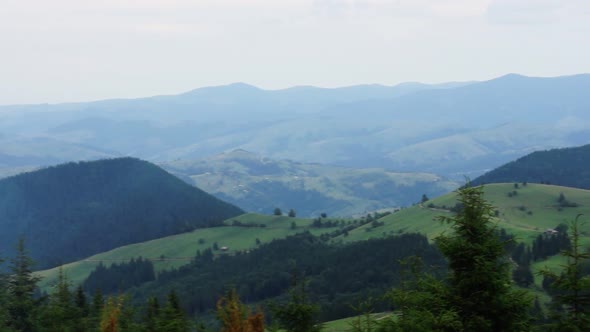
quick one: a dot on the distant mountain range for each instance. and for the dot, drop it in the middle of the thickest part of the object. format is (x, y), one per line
(260, 184)
(564, 167)
(453, 129)
(74, 210)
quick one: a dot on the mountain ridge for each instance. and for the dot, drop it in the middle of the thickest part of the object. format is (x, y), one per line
(363, 126)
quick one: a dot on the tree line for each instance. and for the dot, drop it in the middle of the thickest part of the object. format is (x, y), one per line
(461, 283)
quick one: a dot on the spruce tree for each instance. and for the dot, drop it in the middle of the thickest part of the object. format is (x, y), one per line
(172, 317)
(152, 315)
(21, 286)
(3, 312)
(299, 314)
(479, 279)
(60, 313)
(571, 288)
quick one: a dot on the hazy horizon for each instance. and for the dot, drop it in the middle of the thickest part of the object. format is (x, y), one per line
(71, 51)
(285, 88)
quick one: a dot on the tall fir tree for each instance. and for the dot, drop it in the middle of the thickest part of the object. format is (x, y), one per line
(21, 287)
(171, 317)
(59, 314)
(3, 312)
(479, 280)
(152, 314)
(477, 294)
(299, 314)
(571, 288)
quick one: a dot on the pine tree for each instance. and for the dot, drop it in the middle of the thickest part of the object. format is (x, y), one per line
(152, 313)
(81, 302)
(299, 314)
(572, 297)
(479, 279)
(21, 286)
(422, 302)
(82, 310)
(171, 317)
(96, 308)
(3, 312)
(59, 314)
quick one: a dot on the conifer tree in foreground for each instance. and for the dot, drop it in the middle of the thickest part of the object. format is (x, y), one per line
(3, 313)
(298, 314)
(477, 294)
(480, 280)
(21, 286)
(572, 288)
(171, 317)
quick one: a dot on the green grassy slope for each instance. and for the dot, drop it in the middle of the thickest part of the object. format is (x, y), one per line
(533, 210)
(345, 324)
(540, 200)
(178, 249)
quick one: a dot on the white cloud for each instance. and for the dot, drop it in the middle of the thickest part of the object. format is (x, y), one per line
(537, 11)
(80, 49)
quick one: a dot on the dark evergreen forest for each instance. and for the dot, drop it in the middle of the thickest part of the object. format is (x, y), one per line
(336, 276)
(74, 210)
(564, 167)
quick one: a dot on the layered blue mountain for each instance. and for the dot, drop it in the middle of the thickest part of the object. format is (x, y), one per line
(452, 129)
(71, 211)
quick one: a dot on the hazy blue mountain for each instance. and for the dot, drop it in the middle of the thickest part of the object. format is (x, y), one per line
(564, 167)
(259, 184)
(451, 129)
(74, 210)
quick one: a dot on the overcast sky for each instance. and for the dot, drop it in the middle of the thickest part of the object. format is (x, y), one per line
(79, 50)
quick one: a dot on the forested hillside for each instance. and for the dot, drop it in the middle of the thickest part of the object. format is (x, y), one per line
(564, 167)
(75, 210)
(337, 276)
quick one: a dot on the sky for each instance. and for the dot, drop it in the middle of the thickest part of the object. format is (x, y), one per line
(80, 50)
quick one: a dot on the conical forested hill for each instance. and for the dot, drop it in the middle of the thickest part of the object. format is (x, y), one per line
(74, 210)
(564, 167)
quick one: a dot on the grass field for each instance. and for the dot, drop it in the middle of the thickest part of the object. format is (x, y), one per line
(345, 324)
(176, 250)
(528, 213)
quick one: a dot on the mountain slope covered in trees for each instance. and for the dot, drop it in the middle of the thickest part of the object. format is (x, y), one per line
(564, 167)
(74, 210)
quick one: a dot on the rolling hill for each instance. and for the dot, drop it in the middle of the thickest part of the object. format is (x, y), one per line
(260, 184)
(532, 210)
(564, 167)
(74, 210)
